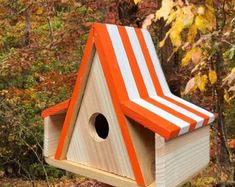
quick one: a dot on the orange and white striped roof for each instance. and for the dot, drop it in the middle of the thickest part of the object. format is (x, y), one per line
(141, 85)
(136, 80)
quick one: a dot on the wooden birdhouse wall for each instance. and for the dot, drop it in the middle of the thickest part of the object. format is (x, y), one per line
(86, 147)
(52, 129)
(180, 159)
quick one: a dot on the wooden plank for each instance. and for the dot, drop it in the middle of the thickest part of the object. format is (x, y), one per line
(59, 108)
(52, 129)
(93, 173)
(76, 99)
(143, 141)
(86, 147)
(179, 159)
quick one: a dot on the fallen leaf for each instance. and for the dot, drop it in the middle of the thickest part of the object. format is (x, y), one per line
(190, 86)
(231, 89)
(192, 33)
(148, 21)
(212, 76)
(39, 11)
(231, 143)
(188, 16)
(226, 96)
(230, 79)
(196, 55)
(171, 17)
(165, 10)
(201, 82)
(175, 33)
(201, 23)
(137, 1)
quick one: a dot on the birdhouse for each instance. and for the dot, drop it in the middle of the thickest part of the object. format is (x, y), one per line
(122, 125)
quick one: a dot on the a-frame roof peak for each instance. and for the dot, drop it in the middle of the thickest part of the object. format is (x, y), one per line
(136, 83)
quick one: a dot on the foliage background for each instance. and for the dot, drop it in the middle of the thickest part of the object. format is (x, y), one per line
(41, 45)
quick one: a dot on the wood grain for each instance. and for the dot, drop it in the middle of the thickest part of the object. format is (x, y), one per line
(181, 158)
(93, 173)
(76, 98)
(143, 141)
(52, 129)
(85, 146)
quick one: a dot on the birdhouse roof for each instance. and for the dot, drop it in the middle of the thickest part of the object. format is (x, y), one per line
(136, 83)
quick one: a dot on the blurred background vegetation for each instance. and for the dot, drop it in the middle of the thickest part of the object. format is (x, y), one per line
(41, 45)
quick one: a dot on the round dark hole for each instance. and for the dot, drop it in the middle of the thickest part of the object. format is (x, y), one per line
(101, 126)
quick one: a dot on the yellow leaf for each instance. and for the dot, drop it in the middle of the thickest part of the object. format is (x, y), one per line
(212, 76)
(226, 96)
(165, 10)
(196, 55)
(201, 23)
(209, 2)
(175, 38)
(210, 17)
(39, 11)
(190, 86)
(188, 16)
(171, 17)
(175, 32)
(137, 1)
(192, 33)
(185, 61)
(201, 82)
(161, 43)
(233, 70)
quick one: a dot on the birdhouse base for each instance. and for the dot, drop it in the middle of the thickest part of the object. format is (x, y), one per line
(102, 176)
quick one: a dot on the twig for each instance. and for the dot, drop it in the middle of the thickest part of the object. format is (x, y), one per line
(35, 153)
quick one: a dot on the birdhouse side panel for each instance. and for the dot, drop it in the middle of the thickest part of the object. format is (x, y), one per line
(143, 142)
(52, 129)
(181, 158)
(96, 140)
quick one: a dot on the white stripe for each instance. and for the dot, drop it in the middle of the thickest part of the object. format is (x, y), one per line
(123, 62)
(148, 80)
(131, 85)
(171, 118)
(141, 61)
(155, 60)
(177, 108)
(195, 107)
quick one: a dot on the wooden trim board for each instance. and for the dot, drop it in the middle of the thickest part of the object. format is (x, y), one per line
(76, 98)
(56, 109)
(93, 173)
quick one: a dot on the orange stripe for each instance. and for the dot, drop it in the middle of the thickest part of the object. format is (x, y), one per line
(157, 82)
(140, 82)
(69, 119)
(55, 109)
(204, 116)
(118, 91)
(133, 63)
(149, 119)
